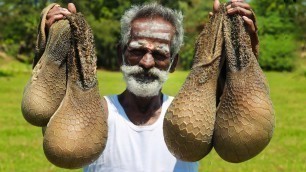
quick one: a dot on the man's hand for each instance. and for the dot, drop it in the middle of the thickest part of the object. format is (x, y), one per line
(244, 9)
(57, 13)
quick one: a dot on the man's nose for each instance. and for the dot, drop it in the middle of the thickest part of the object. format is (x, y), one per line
(147, 61)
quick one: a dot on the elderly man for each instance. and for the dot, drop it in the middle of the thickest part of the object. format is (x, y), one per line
(151, 36)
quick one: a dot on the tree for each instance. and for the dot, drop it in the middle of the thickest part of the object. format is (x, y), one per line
(277, 23)
(277, 33)
(19, 20)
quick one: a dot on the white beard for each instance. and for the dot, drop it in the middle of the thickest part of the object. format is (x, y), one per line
(141, 83)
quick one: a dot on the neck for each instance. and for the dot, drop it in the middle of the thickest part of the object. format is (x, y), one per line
(141, 110)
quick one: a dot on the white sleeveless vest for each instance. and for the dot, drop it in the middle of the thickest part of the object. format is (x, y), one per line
(132, 148)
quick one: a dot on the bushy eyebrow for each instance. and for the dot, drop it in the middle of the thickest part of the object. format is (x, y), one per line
(164, 49)
(160, 48)
(136, 44)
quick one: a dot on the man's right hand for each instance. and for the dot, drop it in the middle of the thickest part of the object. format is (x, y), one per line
(57, 13)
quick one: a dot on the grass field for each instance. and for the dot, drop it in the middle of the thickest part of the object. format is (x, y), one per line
(21, 143)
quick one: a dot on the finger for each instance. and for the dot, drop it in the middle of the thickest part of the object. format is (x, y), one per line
(65, 11)
(211, 14)
(56, 11)
(55, 7)
(238, 4)
(71, 8)
(216, 6)
(250, 24)
(53, 19)
(240, 11)
(237, 1)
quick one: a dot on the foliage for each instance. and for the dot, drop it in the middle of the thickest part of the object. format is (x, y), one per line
(193, 24)
(278, 33)
(276, 52)
(19, 20)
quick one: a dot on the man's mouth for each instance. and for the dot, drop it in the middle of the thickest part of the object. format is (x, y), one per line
(145, 77)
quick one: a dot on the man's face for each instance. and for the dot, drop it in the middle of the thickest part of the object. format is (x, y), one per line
(147, 56)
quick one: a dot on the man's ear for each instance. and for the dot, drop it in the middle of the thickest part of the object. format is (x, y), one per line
(119, 54)
(174, 63)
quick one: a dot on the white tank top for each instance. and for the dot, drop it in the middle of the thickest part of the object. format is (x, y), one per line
(132, 148)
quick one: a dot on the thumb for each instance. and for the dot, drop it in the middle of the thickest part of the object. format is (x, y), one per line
(216, 6)
(71, 8)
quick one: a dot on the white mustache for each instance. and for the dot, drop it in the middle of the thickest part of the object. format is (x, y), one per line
(138, 84)
(133, 70)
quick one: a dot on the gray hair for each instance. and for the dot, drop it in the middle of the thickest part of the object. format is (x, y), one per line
(149, 11)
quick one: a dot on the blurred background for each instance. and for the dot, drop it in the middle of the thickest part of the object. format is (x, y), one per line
(282, 35)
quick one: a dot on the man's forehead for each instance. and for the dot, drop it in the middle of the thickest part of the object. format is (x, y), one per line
(152, 28)
(152, 24)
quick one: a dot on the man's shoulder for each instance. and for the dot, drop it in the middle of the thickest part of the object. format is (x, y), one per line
(111, 98)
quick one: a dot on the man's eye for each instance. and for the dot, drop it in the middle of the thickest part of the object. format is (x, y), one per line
(159, 56)
(137, 52)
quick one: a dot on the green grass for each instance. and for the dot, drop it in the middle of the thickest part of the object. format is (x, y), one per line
(21, 143)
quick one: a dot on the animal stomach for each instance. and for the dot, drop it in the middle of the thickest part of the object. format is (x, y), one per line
(189, 121)
(47, 86)
(76, 134)
(245, 116)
